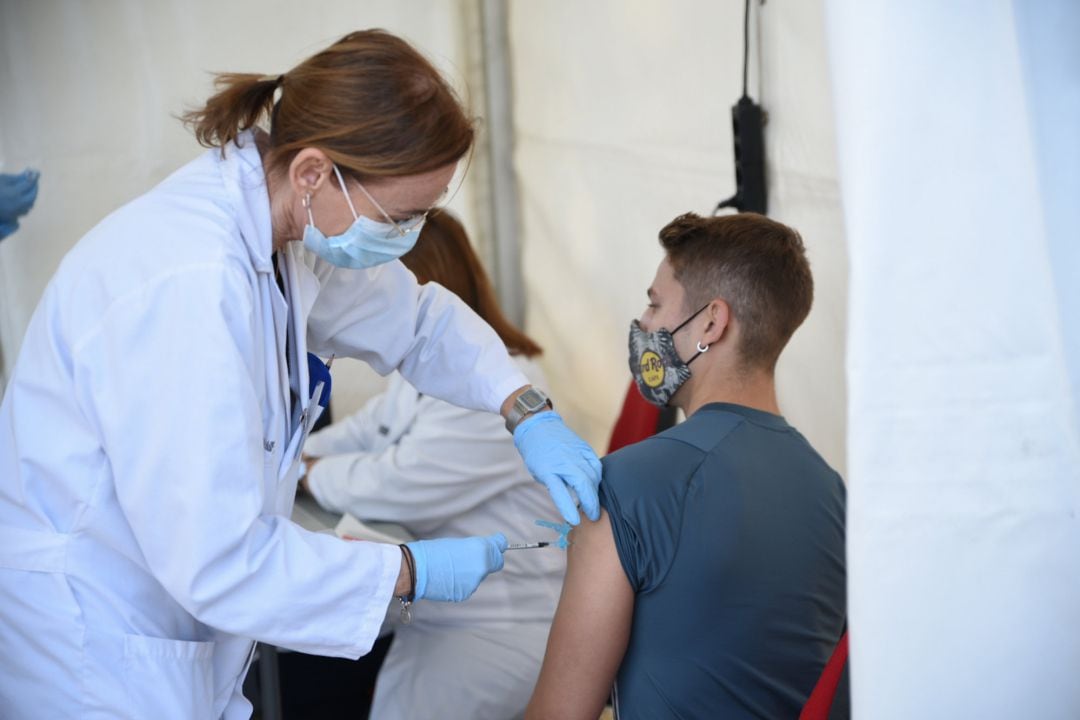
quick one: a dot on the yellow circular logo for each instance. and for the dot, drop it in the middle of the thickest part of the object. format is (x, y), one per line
(652, 370)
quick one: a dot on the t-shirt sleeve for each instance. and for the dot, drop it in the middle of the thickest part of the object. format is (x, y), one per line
(643, 490)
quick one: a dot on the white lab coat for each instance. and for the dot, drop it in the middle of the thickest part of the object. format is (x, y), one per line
(148, 459)
(443, 471)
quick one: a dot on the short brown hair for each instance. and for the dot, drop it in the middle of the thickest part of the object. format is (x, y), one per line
(444, 255)
(757, 265)
(370, 101)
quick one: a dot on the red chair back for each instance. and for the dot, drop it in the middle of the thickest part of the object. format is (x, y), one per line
(638, 420)
(820, 702)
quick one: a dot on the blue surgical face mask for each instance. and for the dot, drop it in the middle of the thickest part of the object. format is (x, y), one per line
(366, 243)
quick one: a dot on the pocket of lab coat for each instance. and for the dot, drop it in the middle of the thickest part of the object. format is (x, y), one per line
(314, 413)
(168, 678)
(291, 457)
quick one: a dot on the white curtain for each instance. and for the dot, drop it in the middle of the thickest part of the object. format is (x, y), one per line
(957, 128)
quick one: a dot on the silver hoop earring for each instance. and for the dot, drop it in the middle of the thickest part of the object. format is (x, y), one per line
(306, 202)
(701, 349)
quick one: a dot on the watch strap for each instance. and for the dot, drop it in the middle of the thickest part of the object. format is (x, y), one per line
(527, 403)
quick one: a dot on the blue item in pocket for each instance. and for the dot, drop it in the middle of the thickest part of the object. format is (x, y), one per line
(319, 372)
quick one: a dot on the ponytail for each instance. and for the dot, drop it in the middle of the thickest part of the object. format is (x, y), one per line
(370, 101)
(240, 102)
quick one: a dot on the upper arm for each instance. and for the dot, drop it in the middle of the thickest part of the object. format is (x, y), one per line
(591, 628)
(443, 348)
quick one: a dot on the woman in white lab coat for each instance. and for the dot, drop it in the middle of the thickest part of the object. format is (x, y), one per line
(151, 433)
(442, 470)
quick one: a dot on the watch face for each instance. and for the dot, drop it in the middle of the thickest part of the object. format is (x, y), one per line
(527, 403)
(533, 400)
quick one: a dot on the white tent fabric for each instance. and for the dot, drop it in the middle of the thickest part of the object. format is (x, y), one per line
(623, 122)
(90, 94)
(960, 163)
(960, 160)
(960, 166)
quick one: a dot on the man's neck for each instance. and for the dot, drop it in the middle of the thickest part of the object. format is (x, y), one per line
(755, 390)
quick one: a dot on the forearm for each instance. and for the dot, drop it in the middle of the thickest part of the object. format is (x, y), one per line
(405, 582)
(450, 352)
(347, 585)
(453, 344)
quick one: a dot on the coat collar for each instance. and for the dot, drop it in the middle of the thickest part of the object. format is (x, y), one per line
(245, 186)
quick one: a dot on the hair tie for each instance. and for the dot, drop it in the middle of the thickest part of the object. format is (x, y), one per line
(270, 78)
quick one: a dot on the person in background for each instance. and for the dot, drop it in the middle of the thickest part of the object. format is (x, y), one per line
(441, 470)
(713, 585)
(152, 430)
(17, 195)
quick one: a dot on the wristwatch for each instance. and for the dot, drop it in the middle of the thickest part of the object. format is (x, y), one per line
(529, 402)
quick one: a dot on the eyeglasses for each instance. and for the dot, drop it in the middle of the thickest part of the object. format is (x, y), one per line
(401, 228)
(405, 226)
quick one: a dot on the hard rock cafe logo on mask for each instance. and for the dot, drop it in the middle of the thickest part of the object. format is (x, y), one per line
(655, 363)
(652, 369)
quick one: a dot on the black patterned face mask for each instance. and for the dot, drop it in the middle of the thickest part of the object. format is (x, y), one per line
(655, 364)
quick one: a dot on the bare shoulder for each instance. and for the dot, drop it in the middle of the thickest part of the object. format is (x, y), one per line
(592, 546)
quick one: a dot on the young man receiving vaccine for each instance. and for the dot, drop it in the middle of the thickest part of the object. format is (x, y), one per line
(713, 584)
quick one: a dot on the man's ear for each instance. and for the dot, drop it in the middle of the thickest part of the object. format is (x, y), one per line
(718, 314)
(309, 171)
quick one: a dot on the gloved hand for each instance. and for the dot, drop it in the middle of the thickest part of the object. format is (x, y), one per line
(450, 569)
(17, 195)
(558, 458)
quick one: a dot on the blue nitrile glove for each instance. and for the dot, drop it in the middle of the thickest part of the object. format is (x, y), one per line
(450, 569)
(558, 458)
(17, 194)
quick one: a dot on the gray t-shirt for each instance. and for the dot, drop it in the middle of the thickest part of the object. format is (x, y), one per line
(730, 528)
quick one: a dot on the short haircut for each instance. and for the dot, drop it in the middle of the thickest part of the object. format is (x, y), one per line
(757, 265)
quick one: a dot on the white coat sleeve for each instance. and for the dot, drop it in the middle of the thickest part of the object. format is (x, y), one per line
(168, 379)
(355, 433)
(450, 461)
(382, 316)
